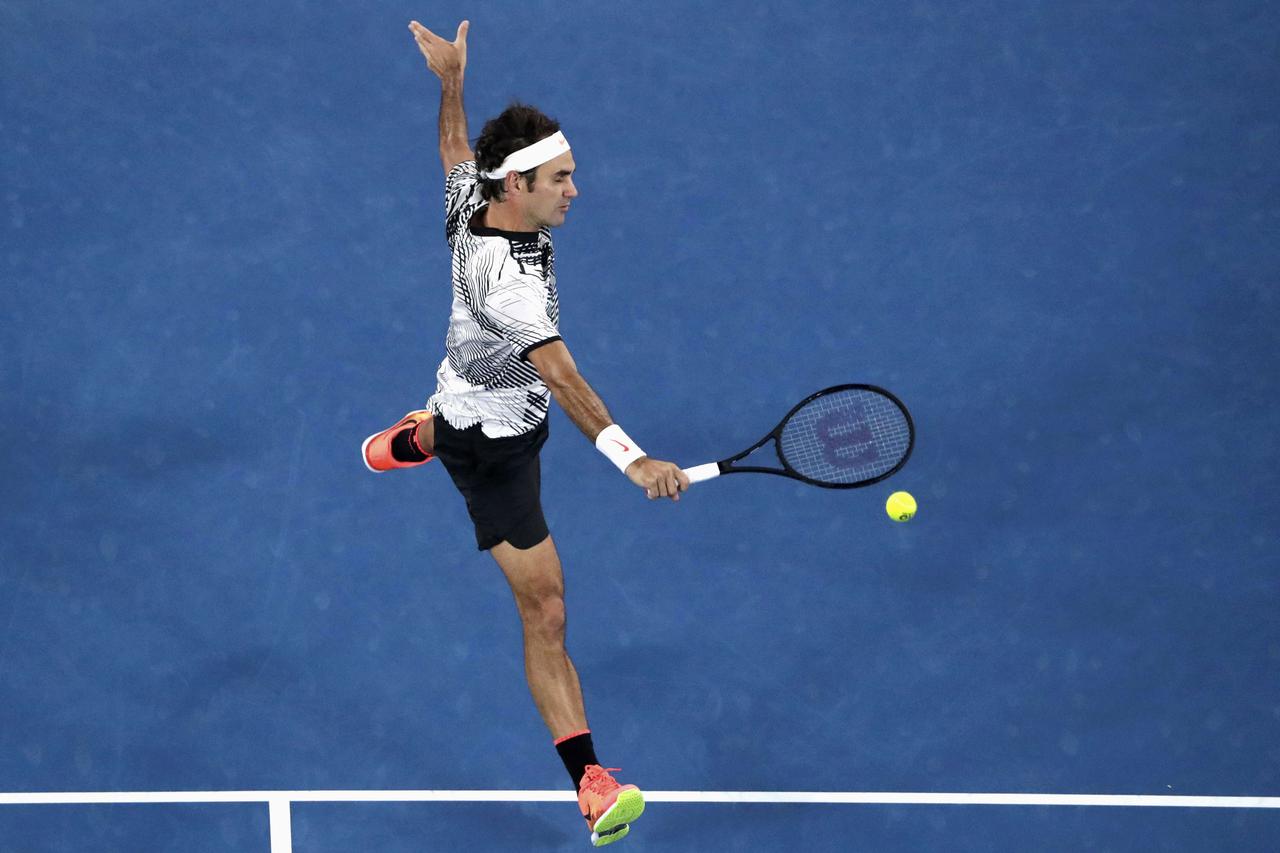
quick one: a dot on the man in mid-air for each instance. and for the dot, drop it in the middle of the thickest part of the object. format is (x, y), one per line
(487, 420)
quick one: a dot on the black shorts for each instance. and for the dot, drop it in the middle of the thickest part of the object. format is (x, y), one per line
(500, 479)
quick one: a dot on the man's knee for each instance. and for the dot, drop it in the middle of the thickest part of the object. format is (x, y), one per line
(543, 614)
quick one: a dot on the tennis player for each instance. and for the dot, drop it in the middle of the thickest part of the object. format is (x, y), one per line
(505, 359)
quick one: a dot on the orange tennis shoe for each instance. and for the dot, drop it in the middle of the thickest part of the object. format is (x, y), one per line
(608, 807)
(376, 450)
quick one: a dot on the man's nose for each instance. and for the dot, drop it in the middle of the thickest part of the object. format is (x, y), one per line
(570, 190)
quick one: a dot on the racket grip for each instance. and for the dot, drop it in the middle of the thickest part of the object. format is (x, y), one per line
(698, 473)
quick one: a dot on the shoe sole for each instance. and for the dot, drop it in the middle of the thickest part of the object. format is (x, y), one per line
(628, 807)
(598, 840)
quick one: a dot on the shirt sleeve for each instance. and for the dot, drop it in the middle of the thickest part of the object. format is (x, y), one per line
(517, 305)
(460, 198)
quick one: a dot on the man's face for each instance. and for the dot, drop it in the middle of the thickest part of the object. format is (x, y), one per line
(548, 202)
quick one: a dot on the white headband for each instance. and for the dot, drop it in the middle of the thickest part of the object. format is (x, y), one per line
(530, 157)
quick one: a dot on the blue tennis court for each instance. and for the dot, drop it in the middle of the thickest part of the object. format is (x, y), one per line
(1052, 229)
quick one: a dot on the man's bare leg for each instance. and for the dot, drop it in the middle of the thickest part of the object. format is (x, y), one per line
(537, 582)
(425, 435)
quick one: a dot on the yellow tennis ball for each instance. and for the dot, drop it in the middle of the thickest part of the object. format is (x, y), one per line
(900, 506)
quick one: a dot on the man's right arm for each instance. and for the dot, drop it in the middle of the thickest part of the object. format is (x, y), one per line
(585, 408)
(448, 60)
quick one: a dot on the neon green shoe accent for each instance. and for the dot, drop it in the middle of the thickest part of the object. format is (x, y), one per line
(628, 807)
(598, 840)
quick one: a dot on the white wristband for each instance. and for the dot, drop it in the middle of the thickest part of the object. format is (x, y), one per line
(618, 446)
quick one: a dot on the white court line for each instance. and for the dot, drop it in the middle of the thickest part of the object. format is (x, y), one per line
(282, 831)
(279, 800)
(281, 826)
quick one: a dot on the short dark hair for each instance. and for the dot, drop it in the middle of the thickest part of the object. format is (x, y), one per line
(518, 126)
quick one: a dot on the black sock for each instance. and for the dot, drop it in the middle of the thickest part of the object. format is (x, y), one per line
(404, 448)
(577, 751)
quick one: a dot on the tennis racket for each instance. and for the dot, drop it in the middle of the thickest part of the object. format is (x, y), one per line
(838, 438)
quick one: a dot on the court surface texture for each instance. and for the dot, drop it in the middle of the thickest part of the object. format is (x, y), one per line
(1053, 229)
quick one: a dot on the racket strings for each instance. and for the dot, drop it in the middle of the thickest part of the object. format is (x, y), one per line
(849, 436)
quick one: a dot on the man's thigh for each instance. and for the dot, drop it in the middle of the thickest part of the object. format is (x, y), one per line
(534, 573)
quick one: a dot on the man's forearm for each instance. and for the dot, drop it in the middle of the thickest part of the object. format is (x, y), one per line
(453, 123)
(582, 404)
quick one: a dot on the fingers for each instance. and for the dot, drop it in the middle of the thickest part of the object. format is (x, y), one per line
(659, 488)
(660, 479)
(423, 37)
(677, 481)
(668, 483)
(672, 485)
(420, 32)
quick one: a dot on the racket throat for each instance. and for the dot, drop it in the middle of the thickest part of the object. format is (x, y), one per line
(758, 466)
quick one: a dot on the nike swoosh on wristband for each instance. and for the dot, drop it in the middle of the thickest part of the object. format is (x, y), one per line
(620, 444)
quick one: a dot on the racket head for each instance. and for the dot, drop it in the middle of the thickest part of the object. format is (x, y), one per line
(845, 437)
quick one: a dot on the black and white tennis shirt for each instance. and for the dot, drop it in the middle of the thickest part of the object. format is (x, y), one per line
(504, 306)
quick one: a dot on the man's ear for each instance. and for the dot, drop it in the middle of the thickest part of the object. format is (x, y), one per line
(511, 183)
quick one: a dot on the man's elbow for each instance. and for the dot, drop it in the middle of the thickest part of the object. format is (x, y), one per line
(560, 377)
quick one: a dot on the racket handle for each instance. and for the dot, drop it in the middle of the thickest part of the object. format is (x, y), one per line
(698, 473)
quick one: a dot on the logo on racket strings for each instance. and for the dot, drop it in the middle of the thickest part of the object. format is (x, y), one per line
(846, 440)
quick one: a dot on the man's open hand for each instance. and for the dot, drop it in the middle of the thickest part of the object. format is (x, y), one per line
(658, 479)
(446, 59)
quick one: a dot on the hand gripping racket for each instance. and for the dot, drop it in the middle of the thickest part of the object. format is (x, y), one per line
(839, 438)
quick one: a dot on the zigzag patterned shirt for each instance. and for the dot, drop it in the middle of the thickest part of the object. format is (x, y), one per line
(504, 305)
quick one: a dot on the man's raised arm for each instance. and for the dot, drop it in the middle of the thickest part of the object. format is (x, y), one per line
(448, 60)
(585, 408)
